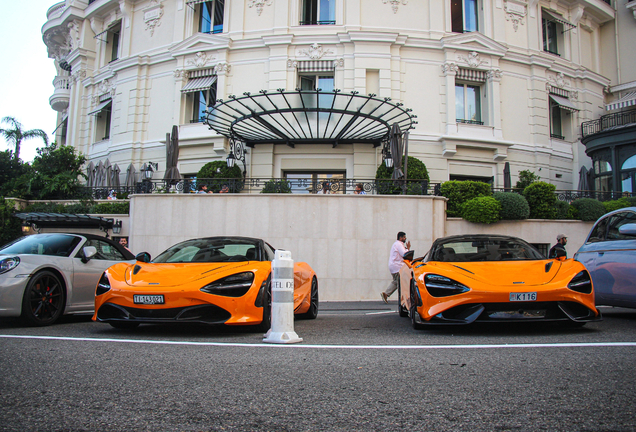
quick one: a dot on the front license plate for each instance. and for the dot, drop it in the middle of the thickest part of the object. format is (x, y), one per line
(148, 299)
(523, 297)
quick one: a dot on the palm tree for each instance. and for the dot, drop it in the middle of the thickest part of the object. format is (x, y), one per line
(15, 134)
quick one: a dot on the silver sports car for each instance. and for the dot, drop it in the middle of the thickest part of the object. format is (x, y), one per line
(44, 276)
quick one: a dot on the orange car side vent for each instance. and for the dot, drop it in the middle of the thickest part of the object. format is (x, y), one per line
(463, 269)
(548, 266)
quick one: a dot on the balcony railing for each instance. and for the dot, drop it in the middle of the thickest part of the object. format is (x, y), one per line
(571, 195)
(608, 121)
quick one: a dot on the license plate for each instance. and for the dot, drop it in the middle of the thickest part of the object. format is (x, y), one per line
(523, 297)
(148, 299)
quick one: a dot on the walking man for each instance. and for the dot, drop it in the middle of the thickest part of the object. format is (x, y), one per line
(562, 240)
(399, 248)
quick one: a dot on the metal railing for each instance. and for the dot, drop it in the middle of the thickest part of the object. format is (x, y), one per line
(571, 195)
(269, 185)
(607, 121)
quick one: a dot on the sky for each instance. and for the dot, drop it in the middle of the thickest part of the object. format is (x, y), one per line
(26, 76)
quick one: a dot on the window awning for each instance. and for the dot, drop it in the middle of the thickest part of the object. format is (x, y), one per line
(65, 220)
(564, 103)
(64, 118)
(198, 84)
(626, 101)
(558, 18)
(315, 66)
(193, 2)
(308, 117)
(101, 107)
(110, 28)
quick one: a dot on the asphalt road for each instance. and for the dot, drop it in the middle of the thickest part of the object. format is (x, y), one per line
(359, 368)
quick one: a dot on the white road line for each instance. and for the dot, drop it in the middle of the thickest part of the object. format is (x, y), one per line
(380, 313)
(263, 345)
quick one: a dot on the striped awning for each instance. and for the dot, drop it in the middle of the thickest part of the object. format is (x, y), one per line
(64, 118)
(564, 103)
(471, 75)
(626, 101)
(101, 107)
(199, 84)
(193, 2)
(316, 66)
(558, 18)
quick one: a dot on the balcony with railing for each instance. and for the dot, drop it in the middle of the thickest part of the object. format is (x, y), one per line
(60, 99)
(608, 122)
(56, 10)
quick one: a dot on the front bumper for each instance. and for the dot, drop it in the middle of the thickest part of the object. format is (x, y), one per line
(205, 314)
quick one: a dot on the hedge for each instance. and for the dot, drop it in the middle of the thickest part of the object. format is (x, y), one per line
(541, 199)
(481, 210)
(588, 209)
(458, 192)
(513, 205)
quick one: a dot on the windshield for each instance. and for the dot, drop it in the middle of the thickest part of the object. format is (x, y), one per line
(211, 250)
(492, 249)
(42, 244)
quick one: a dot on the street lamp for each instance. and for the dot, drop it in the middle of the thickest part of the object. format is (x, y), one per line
(237, 152)
(117, 227)
(26, 227)
(149, 171)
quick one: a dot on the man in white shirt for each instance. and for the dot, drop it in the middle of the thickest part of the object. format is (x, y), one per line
(399, 248)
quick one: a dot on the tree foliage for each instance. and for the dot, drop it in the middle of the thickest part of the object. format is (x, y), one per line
(416, 170)
(526, 178)
(542, 200)
(458, 192)
(10, 226)
(15, 135)
(57, 171)
(214, 174)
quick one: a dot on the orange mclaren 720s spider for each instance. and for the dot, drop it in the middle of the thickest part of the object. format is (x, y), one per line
(488, 278)
(216, 280)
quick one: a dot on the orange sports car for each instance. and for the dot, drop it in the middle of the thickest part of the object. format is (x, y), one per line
(486, 278)
(216, 280)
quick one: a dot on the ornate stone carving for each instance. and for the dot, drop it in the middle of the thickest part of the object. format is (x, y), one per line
(152, 16)
(315, 52)
(58, 44)
(516, 13)
(450, 68)
(78, 75)
(180, 73)
(395, 4)
(222, 67)
(74, 28)
(494, 74)
(338, 63)
(472, 59)
(557, 80)
(200, 60)
(259, 5)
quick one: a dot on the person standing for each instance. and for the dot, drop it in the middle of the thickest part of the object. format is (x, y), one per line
(562, 240)
(359, 190)
(399, 248)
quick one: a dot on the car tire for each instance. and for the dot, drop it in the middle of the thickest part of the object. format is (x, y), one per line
(122, 325)
(266, 324)
(43, 300)
(402, 311)
(312, 313)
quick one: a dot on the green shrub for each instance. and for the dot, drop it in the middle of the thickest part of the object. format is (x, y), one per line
(277, 186)
(215, 175)
(526, 178)
(588, 209)
(541, 199)
(513, 205)
(482, 209)
(562, 210)
(111, 208)
(416, 171)
(10, 226)
(616, 204)
(458, 192)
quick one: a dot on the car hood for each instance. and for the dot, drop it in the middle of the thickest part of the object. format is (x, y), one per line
(503, 273)
(149, 274)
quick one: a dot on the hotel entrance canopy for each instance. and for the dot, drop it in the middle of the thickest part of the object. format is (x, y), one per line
(308, 117)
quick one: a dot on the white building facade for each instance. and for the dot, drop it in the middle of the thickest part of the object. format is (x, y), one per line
(491, 81)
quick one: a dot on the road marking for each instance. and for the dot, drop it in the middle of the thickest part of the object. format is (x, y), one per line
(264, 345)
(380, 313)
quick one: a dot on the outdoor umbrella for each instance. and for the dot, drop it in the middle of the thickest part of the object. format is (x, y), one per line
(507, 179)
(172, 156)
(108, 174)
(397, 149)
(130, 176)
(115, 180)
(584, 184)
(90, 174)
(99, 175)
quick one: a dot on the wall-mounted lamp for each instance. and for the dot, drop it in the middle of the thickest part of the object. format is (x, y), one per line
(237, 152)
(386, 154)
(117, 227)
(26, 227)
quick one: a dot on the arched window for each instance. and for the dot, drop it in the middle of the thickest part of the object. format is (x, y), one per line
(628, 175)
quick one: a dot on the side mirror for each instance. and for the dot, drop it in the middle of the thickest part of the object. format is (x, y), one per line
(408, 256)
(627, 229)
(88, 252)
(143, 257)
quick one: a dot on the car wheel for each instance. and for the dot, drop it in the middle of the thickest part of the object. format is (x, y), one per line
(266, 324)
(401, 309)
(44, 299)
(312, 313)
(124, 325)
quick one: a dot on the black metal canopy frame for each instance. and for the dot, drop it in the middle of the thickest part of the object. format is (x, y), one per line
(65, 220)
(308, 117)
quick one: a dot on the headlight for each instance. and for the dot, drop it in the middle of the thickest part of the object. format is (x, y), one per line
(581, 283)
(103, 286)
(441, 286)
(231, 286)
(8, 264)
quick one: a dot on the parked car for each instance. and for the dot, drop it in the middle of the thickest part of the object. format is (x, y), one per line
(488, 278)
(44, 276)
(215, 280)
(609, 254)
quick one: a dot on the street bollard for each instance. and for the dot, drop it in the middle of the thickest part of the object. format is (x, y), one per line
(282, 328)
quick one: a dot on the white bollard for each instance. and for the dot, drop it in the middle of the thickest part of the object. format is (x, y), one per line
(282, 329)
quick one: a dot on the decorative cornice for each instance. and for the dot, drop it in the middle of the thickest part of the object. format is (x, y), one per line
(395, 4)
(200, 60)
(315, 52)
(259, 5)
(152, 16)
(472, 60)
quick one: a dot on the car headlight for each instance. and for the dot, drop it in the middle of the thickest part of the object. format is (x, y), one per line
(581, 283)
(103, 286)
(441, 286)
(236, 285)
(9, 264)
